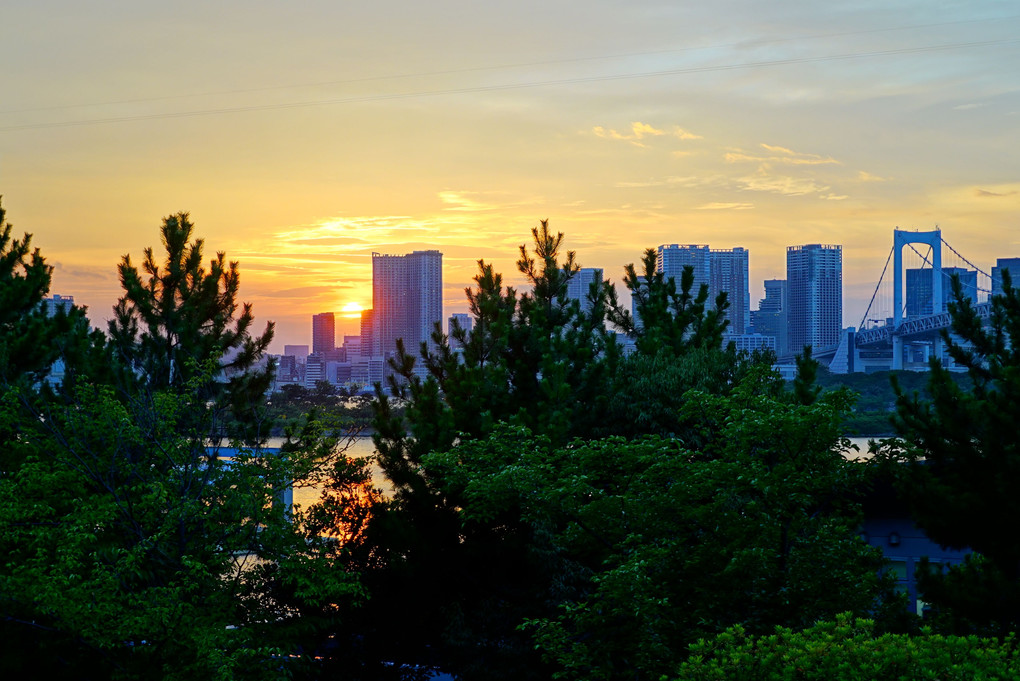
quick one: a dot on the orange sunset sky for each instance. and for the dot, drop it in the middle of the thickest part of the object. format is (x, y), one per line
(303, 136)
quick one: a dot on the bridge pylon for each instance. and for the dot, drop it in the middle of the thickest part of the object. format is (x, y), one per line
(901, 238)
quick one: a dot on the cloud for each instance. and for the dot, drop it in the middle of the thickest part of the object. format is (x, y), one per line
(986, 193)
(725, 206)
(833, 197)
(680, 133)
(640, 131)
(780, 155)
(780, 184)
(864, 176)
(302, 292)
(460, 201)
(968, 107)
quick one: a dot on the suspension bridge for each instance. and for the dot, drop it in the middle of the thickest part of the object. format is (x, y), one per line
(903, 332)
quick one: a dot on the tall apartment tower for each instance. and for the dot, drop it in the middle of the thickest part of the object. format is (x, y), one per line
(814, 279)
(720, 269)
(670, 259)
(580, 284)
(407, 300)
(728, 272)
(323, 332)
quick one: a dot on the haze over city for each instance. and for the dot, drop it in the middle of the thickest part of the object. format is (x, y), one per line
(303, 138)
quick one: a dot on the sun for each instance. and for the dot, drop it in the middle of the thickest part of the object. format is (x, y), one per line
(351, 310)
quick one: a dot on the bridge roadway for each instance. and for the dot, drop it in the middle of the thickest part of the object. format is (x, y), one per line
(914, 327)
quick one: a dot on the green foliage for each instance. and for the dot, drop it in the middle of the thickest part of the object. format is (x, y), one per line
(848, 648)
(136, 545)
(649, 544)
(959, 465)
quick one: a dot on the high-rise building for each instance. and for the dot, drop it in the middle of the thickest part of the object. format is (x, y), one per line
(464, 321)
(1011, 264)
(365, 348)
(814, 279)
(580, 284)
(670, 259)
(770, 317)
(299, 352)
(920, 294)
(728, 273)
(722, 270)
(407, 300)
(323, 332)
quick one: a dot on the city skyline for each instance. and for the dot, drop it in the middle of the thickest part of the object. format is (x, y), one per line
(458, 127)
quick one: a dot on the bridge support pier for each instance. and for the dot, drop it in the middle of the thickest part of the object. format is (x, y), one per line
(897, 353)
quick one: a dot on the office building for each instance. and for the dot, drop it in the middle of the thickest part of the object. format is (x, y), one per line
(770, 317)
(299, 352)
(323, 332)
(464, 321)
(407, 300)
(814, 279)
(721, 270)
(728, 273)
(671, 259)
(580, 284)
(919, 289)
(1011, 264)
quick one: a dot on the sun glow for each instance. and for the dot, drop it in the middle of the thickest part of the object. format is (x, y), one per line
(351, 310)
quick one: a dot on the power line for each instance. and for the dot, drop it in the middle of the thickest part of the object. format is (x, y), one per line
(511, 86)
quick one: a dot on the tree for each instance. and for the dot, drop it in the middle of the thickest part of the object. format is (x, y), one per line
(850, 649)
(650, 543)
(958, 464)
(140, 544)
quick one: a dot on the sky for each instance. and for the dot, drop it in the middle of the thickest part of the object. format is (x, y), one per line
(301, 137)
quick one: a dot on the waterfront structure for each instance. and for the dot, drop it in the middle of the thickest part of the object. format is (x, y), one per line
(814, 279)
(407, 300)
(1011, 264)
(323, 332)
(580, 284)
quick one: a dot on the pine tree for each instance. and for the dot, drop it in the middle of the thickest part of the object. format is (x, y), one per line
(959, 464)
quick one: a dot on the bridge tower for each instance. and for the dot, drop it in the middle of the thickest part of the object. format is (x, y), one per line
(901, 238)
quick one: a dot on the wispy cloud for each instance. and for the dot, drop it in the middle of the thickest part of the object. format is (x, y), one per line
(986, 193)
(763, 181)
(725, 206)
(864, 176)
(463, 201)
(779, 155)
(640, 131)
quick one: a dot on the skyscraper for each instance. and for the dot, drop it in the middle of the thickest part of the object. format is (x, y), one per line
(722, 270)
(323, 332)
(728, 273)
(770, 317)
(1011, 264)
(407, 300)
(580, 284)
(920, 293)
(670, 259)
(814, 276)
